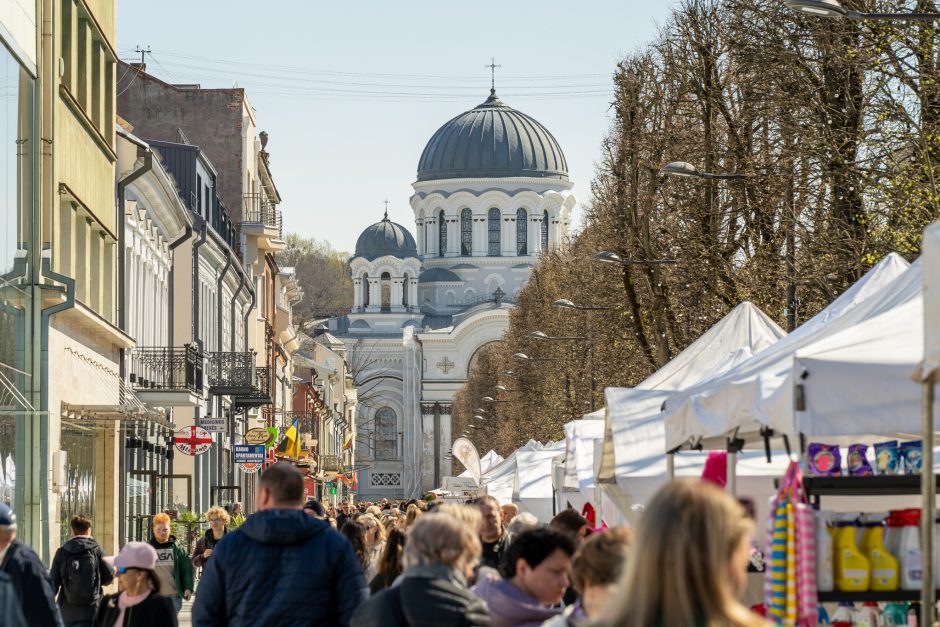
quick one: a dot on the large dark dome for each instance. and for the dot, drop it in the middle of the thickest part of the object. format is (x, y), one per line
(386, 238)
(492, 140)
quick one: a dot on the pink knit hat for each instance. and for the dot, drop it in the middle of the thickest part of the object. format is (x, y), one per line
(136, 555)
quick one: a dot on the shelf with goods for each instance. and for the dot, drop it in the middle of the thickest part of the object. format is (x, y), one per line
(888, 596)
(875, 485)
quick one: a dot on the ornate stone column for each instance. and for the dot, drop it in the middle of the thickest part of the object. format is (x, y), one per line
(413, 293)
(480, 234)
(397, 294)
(375, 295)
(357, 293)
(508, 233)
(419, 224)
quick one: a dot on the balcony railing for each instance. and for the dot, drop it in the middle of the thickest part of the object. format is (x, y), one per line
(260, 393)
(170, 369)
(257, 210)
(231, 373)
(308, 422)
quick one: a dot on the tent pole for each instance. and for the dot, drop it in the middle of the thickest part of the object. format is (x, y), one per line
(671, 466)
(928, 483)
(732, 473)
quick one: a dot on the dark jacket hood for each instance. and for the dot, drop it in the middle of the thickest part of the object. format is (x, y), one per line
(282, 526)
(80, 544)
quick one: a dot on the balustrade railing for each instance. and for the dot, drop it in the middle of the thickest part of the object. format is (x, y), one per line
(231, 372)
(256, 209)
(260, 392)
(157, 368)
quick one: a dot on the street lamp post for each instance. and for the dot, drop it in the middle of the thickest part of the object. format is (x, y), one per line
(564, 303)
(539, 335)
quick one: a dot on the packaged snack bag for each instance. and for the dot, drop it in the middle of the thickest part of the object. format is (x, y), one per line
(887, 457)
(824, 460)
(857, 461)
(911, 454)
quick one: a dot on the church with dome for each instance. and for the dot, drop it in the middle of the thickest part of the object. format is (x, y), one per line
(491, 194)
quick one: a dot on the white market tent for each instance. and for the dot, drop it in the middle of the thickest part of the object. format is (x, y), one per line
(739, 401)
(525, 478)
(486, 462)
(634, 433)
(577, 484)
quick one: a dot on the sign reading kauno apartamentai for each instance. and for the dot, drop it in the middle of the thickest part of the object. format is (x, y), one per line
(258, 436)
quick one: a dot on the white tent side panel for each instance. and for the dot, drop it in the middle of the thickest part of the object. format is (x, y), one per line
(931, 248)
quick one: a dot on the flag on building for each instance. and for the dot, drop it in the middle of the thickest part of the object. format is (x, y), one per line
(290, 444)
(348, 443)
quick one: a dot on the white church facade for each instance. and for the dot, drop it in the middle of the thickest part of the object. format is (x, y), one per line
(492, 193)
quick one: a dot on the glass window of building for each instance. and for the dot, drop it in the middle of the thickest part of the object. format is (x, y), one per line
(522, 233)
(441, 234)
(493, 227)
(466, 232)
(545, 231)
(386, 434)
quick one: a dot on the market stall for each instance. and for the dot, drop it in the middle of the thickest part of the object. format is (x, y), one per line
(634, 428)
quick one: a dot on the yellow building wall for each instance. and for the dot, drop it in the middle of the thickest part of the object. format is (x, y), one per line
(84, 167)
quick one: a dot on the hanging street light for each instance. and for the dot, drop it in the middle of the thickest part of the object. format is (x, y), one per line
(606, 256)
(834, 9)
(687, 170)
(564, 303)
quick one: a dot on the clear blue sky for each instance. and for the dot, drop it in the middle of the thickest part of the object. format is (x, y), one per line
(351, 92)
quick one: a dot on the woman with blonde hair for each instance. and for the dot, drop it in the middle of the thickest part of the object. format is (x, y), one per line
(411, 515)
(688, 564)
(375, 542)
(218, 526)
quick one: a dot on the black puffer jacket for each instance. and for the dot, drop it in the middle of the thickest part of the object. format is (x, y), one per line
(32, 585)
(281, 567)
(76, 546)
(425, 596)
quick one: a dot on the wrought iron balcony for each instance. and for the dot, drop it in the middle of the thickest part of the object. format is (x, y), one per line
(231, 373)
(260, 393)
(308, 422)
(167, 369)
(257, 210)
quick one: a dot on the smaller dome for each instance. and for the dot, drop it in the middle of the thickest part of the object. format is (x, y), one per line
(439, 275)
(386, 238)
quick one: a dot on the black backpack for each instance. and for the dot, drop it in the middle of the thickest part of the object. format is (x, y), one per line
(81, 581)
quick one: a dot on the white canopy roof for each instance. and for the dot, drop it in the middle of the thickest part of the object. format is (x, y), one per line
(741, 398)
(931, 248)
(634, 428)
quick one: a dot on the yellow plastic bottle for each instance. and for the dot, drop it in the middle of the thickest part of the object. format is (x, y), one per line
(884, 566)
(852, 569)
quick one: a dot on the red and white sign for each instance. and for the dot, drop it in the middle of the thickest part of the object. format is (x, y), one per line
(193, 440)
(250, 468)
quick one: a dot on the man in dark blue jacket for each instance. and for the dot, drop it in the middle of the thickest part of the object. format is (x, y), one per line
(280, 567)
(30, 579)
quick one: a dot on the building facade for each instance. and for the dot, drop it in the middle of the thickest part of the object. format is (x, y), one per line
(492, 193)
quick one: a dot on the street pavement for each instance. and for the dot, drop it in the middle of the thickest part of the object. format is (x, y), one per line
(185, 617)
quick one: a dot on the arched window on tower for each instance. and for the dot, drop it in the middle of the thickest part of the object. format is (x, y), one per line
(404, 290)
(386, 434)
(386, 283)
(522, 232)
(365, 290)
(466, 232)
(441, 234)
(545, 231)
(494, 229)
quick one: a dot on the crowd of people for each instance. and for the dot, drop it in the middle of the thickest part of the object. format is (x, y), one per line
(397, 563)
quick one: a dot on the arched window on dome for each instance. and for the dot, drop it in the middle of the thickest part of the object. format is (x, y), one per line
(545, 231)
(404, 290)
(365, 290)
(522, 232)
(386, 283)
(386, 434)
(495, 235)
(441, 234)
(466, 232)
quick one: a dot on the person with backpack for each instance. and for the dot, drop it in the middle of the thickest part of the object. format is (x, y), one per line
(78, 573)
